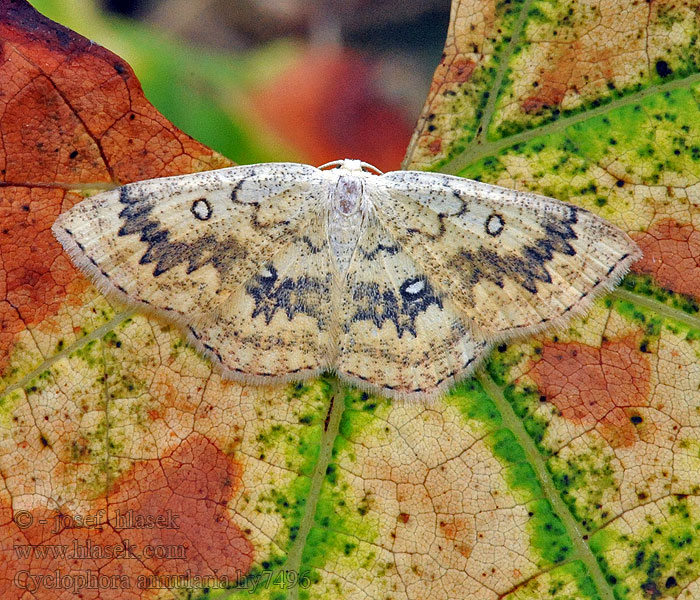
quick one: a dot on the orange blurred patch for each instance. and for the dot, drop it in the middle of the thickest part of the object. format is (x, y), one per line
(327, 106)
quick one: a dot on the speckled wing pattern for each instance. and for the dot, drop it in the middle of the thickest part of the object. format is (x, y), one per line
(513, 262)
(399, 282)
(397, 331)
(278, 324)
(180, 245)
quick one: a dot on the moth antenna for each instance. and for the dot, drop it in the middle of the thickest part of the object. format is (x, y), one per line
(333, 163)
(369, 167)
(364, 165)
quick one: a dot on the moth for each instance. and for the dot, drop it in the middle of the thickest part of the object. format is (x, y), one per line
(399, 282)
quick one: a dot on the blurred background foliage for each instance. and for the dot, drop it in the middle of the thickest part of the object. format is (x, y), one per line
(261, 80)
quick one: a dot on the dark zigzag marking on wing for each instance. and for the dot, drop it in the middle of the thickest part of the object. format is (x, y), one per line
(526, 267)
(307, 295)
(372, 254)
(223, 254)
(378, 304)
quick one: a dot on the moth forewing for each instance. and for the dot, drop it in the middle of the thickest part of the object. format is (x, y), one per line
(513, 262)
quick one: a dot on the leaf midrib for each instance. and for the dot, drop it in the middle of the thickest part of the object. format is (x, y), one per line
(482, 149)
(581, 550)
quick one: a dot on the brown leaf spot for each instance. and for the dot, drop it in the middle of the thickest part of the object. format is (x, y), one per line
(458, 530)
(196, 481)
(35, 276)
(593, 386)
(553, 83)
(460, 70)
(547, 96)
(154, 414)
(187, 489)
(671, 256)
(435, 146)
(572, 66)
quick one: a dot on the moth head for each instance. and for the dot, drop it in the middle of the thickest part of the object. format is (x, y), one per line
(352, 165)
(347, 192)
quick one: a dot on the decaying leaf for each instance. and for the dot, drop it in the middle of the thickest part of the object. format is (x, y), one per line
(568, 468)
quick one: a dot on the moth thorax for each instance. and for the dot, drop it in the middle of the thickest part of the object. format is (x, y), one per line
(347, 195)
(345, 219)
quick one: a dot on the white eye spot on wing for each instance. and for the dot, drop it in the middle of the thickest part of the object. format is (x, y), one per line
(201, 209)
(494, 224)
(416, 287)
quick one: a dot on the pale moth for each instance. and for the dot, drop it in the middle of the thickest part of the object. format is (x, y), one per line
(399, 282)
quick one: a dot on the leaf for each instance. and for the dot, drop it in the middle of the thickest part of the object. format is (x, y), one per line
(566, 469)
(597, 105)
